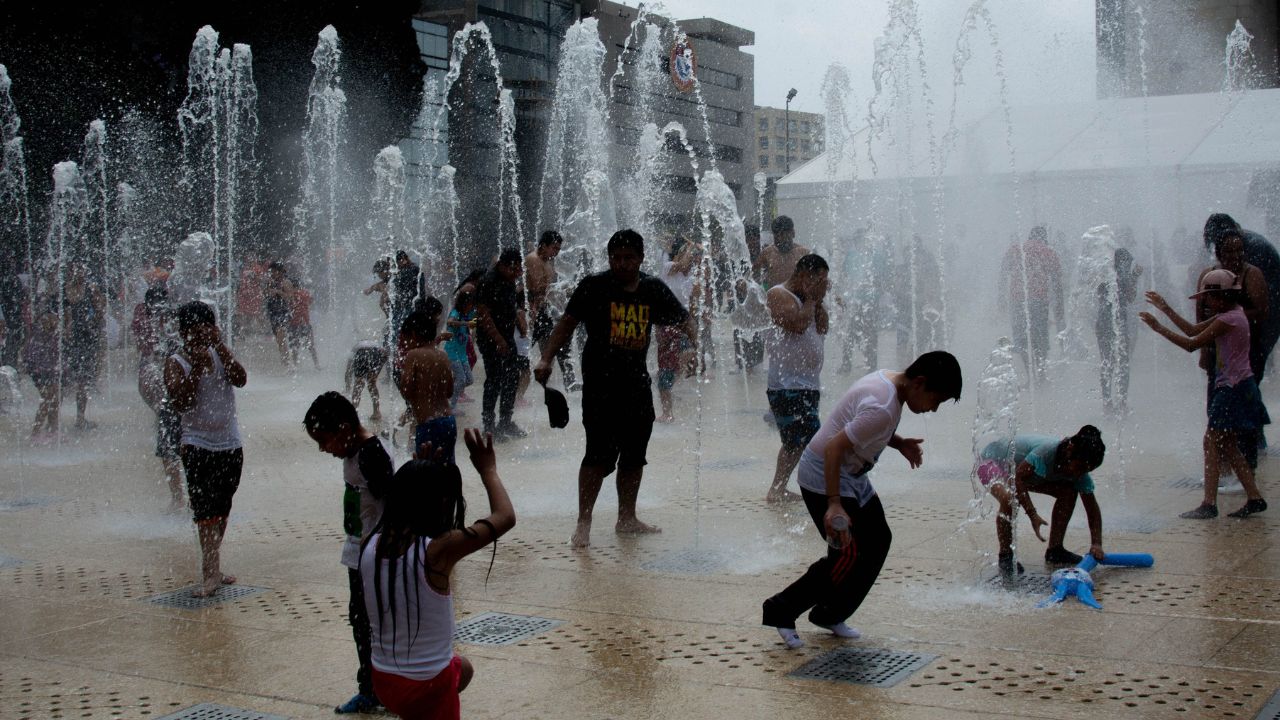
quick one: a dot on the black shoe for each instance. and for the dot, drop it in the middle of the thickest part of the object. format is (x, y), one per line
(359, 703)
(1250, 508)
(510, 431)
(1204, 512)
(1009, 568)
(1061, 556)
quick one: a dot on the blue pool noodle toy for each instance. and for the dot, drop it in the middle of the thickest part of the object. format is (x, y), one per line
(1076, 581)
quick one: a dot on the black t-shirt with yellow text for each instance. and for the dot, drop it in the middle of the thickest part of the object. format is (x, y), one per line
(619, 327)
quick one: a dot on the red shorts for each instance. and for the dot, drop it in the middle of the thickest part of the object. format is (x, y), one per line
(434, 699)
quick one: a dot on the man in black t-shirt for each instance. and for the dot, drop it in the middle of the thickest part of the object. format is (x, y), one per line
(496, 340)
(619, 308)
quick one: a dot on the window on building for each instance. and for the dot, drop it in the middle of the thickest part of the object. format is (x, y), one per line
(728, 153)
(764, 161)
(805, 126)
(780, 159)
(804, 146)
(763, 124)
(792, 125)
(817, 147)
(764, 143)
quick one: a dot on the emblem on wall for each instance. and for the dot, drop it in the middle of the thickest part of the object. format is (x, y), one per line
(684, 64)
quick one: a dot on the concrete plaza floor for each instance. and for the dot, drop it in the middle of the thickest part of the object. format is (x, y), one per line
(644, 627)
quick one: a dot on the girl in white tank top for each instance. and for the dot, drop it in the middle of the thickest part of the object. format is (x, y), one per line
(405, 567)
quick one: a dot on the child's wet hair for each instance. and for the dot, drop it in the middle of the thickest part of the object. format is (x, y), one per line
(425, 500)
(193, 314)
(1087, 446)
(329, 412)
(941, 373)
(421, 325)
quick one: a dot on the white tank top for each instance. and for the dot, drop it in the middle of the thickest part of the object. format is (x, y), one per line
(795, 359)
(211, 424)
(416, 639)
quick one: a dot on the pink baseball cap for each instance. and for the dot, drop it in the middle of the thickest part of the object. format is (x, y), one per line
(1215, 281)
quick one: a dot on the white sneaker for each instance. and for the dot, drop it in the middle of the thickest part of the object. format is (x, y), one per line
(842, 630)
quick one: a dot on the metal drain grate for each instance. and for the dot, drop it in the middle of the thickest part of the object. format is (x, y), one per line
(687, 562)
(212, 711)
(880, 668)
(1029, 583)
(24, 503)
(183, 599)
(1270, 711)
(493, 628)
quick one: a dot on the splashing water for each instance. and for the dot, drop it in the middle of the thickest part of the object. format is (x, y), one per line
(1239, 61)
(15, 214)
(995, 421)
(219, 126)
(316, 216)
(575, 194)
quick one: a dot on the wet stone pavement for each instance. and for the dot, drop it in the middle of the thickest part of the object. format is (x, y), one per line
(97, 620)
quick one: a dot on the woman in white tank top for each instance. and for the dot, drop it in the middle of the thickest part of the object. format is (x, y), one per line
(405, 566)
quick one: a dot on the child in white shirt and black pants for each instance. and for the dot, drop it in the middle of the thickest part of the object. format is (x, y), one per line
(834, 483)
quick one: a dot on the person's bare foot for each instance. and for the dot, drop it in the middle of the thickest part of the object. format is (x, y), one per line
(785, 496)
(228, 579)
(581, 536)
(207, 589)
(665, 419)
(635, 527)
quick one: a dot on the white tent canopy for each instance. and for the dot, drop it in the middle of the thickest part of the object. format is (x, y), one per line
(1150, 167)
(1183, 132)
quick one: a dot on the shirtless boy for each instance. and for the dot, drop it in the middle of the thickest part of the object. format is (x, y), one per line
(539, 275)
(426, 382)
(778, 261)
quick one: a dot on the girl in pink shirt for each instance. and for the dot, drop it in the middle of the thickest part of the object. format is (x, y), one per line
(1235, 405)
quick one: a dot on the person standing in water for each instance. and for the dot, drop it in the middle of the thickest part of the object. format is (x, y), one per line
(539, 275)
(1229, 249)
(201, 379)
(795, 345)
(777, 261)
(619, 307)
(1235, 405)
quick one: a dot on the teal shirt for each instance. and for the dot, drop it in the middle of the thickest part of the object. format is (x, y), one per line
(1038, 451)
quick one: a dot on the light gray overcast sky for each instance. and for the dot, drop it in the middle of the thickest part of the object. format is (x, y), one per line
(1048, 46)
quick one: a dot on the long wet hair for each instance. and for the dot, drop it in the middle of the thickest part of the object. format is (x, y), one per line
(1085, 445)
(425, 501)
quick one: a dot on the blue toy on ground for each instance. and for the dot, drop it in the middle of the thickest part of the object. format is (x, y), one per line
(1076, 581)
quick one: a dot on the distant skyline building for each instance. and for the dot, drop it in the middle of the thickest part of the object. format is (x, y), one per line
(1178, 47)
(770, 152)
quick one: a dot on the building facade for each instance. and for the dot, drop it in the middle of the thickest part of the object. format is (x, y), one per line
(527, 35)
(1177, 47)
(777, 149)
(726, 84)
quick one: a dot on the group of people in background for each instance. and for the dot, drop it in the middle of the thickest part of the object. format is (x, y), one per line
(405, 527)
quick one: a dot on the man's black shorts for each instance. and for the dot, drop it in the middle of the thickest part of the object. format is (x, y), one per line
(168, 432)
(212, 480)
(617, 433)
(795, 412)
(277, 313)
